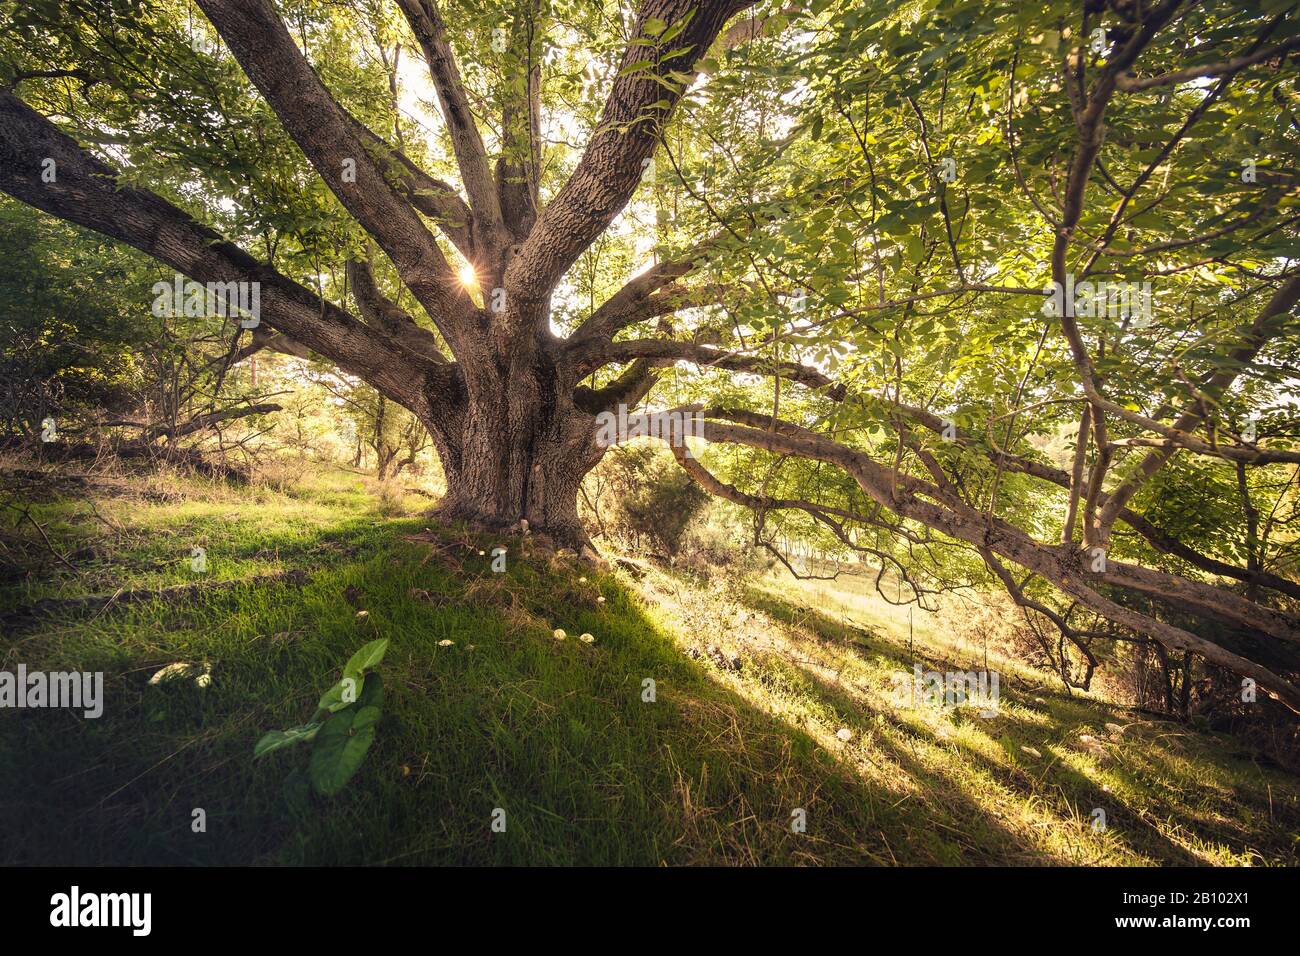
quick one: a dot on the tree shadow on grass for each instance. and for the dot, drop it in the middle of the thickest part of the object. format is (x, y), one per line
(561, 737)
(1142, 818)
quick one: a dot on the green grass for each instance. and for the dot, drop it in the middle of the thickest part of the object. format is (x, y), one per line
(554, 732)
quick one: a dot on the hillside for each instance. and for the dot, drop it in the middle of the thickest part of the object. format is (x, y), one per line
(755, 683)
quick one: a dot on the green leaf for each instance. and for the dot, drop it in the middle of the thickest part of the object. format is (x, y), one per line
(340, 748)
(372, 694)
(673, 31)
(343, 694)
(367, 657)
(277, 739)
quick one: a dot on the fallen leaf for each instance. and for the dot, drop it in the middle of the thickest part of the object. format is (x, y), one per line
(173, 671)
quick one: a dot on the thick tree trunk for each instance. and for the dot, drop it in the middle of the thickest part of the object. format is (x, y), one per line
(541, 487)
(519, 451)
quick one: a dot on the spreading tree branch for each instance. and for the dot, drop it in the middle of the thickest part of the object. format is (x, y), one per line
(329, 138)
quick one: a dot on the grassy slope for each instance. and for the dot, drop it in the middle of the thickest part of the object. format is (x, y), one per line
(556, 733)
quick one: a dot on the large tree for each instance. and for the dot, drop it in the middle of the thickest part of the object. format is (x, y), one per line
(861, 206)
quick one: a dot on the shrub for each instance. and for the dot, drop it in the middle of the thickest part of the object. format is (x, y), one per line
(640, 498)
